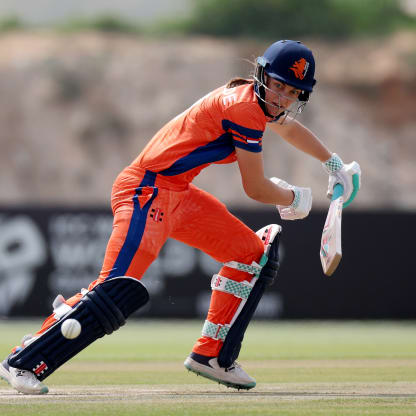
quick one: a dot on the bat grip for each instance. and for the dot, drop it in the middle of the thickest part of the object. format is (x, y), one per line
(338, 191)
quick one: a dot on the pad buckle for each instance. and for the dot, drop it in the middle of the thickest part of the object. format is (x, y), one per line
(215, 331)
(238, 289)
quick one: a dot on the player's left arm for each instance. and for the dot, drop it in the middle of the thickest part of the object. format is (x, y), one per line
(348, 175)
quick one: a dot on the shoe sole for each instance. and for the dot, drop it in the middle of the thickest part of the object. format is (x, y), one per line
(218, 380)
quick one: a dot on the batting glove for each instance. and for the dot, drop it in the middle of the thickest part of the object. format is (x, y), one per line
(301, 204)
(349, 176)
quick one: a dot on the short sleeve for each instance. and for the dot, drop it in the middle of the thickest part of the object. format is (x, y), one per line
(246, 124)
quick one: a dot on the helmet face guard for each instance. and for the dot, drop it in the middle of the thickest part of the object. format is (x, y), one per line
(291, 63)
(289, 113)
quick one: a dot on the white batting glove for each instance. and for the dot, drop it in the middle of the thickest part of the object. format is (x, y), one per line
(301, 204)
(349, 176)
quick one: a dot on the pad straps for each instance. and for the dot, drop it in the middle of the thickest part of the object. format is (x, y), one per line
(238, 289)
(252, 268)
(215, 331)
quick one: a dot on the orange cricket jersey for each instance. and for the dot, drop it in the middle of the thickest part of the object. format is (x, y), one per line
(205, 133)
(208, 132)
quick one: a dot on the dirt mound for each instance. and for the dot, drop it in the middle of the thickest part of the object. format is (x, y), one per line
(78, 108)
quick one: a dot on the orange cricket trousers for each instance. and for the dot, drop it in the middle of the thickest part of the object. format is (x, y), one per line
(148, 210)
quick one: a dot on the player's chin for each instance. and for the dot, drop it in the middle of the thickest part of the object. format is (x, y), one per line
(275, 110)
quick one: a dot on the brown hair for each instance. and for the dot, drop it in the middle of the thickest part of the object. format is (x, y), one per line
(235, 82)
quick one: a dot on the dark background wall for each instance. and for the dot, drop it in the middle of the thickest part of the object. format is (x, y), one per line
(48, 251)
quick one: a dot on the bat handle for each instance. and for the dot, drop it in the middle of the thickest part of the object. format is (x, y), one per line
(338, 191)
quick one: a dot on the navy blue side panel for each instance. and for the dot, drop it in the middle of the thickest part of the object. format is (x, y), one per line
(214, 151)
(136, 228)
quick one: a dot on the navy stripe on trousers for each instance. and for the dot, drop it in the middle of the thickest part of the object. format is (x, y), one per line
(136, 228)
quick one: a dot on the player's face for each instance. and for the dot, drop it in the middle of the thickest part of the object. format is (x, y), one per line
(279, 96)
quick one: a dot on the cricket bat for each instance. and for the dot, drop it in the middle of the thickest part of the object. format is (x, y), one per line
(331, 251)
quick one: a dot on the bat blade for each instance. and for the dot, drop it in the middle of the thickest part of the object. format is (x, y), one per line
(331, 248)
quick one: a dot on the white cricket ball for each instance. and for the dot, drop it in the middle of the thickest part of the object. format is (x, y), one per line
(70, 328)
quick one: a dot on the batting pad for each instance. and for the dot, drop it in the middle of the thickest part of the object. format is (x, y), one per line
(232, 344)
(100, 311)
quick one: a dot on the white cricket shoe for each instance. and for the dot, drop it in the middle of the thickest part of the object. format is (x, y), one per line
(22, 380)
(233, 376)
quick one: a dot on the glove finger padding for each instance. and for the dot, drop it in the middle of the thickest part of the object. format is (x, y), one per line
(301, 205)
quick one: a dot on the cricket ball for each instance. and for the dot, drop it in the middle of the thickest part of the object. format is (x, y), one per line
(70, 328)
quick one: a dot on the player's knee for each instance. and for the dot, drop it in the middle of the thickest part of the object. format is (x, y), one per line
(256, 250)
(259, 248)
(251, 255)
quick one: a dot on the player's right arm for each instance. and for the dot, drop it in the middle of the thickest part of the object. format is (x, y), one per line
(293, 202)
(255, 184)
(247, 129)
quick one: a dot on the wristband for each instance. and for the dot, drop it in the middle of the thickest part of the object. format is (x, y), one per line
(333, 164)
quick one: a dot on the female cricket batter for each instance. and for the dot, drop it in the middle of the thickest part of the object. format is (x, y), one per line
(153, 199)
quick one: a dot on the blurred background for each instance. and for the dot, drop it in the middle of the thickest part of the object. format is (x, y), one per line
(84, 86)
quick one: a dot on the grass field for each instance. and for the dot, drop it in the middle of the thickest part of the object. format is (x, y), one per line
(301, 368)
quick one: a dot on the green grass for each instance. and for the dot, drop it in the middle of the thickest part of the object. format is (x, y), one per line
(302, 368)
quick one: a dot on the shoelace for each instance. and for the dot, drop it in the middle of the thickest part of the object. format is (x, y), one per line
(233, 366)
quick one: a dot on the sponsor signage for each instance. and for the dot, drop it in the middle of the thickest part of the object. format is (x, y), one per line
(45, 252)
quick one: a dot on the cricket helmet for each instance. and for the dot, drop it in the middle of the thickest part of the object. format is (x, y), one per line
(290, 62)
